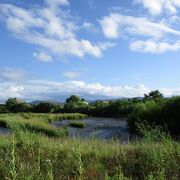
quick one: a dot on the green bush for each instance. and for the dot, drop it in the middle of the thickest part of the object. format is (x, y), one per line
(164, 112)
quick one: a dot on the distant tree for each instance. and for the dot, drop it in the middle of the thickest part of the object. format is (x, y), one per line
(16, 105)
(73, 99)
(75, 104)
(153, 95)
(44, 107)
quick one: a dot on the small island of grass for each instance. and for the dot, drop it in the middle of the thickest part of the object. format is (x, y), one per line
(77, 124)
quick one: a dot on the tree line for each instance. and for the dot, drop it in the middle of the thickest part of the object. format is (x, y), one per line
(153, 108)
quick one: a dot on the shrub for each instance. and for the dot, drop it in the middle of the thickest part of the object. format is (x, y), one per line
(164, 112)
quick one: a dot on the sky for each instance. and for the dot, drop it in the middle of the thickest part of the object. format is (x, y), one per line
(96, 49)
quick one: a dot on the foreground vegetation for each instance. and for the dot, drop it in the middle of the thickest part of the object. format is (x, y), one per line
(39, 123)
(37, 150)
(27, 155)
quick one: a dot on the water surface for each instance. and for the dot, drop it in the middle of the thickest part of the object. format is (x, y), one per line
(100, 128)
(4, 130)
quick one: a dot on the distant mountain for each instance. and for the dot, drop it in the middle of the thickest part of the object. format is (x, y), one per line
(38, 102)
(91, 98)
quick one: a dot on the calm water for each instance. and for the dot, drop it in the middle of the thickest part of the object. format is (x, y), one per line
(101, 128)
(4, 130)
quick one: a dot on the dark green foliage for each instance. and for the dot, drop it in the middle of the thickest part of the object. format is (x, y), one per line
(164, 112)
(75, 104)
(73, 99)
(44, 107)
(153, 95)
(3, 108)
(77, 124)
(16, 105)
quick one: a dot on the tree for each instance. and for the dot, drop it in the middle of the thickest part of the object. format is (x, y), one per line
(44, 107)
(153, 95)
(73, 99)
(16, 105)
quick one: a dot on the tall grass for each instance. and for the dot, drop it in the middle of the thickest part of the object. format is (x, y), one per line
(39, 123)
(34, 156)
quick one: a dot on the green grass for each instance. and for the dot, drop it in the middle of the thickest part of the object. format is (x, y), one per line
(26, 154)
(39, 123)
(78, 124)
(31, 156)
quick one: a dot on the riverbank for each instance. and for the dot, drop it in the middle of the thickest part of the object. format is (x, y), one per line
(26, 155)
(38, 122)
(35, 149)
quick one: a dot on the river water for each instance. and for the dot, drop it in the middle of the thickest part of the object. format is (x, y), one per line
(4, 131)
(100, 128)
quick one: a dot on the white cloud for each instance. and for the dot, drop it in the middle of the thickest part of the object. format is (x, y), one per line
(47, 90)
(144, 35)
(72, 74)
(50, 28)
(116, 24)
(12, 74)
(89, 26)
(10, 91)
(151, 46)
(41, 56)
(157, 7)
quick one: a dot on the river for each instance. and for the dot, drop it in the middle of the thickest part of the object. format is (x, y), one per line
(100, 128)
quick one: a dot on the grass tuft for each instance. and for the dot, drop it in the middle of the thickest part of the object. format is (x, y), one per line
(78, 124)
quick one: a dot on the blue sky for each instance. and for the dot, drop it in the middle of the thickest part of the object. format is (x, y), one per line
(51, 49)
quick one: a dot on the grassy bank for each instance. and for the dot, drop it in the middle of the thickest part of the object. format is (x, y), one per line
(30, 156)
(39, 123)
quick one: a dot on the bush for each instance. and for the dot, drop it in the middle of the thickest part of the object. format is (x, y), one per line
(164, 112)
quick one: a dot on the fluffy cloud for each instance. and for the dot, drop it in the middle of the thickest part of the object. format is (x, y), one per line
(157, 7)
(115, 24)
(151, 46)
(50, 28)
(144, 35)
(72, 74)
(41, 56)
(12, 74)
(10, 91)
(47, 90)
